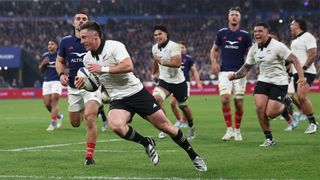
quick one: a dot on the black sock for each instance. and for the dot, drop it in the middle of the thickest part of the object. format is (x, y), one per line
(103, 116)
(189, 120)
(285, 113)
(311, 118)
(183, 142)
(268, 135)
(132, 135)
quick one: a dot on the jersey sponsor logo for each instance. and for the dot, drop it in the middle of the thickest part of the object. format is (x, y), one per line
(79, 57)
(232, 45)
(75, 60)
(79, 54)
(232, 42)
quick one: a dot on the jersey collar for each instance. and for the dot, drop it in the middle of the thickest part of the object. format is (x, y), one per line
(299, 34)
(163, 45)
(264, 45)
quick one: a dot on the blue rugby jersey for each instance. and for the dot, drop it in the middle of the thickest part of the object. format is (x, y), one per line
(73, 51)
(186, 65)
(233, 47)
(50, 73)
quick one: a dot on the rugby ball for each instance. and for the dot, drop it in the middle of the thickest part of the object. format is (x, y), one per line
(91, 81)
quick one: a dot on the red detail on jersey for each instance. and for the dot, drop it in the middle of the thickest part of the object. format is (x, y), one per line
(224, 37)
(70, 47)
(240, 38)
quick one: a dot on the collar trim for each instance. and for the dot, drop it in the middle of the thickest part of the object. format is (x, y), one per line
(96, 53)
(264, 45)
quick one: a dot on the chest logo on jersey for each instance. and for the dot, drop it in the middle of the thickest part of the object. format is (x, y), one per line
(232, 42)
(231, 45)
(79, 54)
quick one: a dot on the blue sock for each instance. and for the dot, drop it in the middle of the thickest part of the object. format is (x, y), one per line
(53, 123)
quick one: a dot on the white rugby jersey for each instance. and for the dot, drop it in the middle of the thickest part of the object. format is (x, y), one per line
(118, 86)
(169, 74)
(300, 46)
(271, 62)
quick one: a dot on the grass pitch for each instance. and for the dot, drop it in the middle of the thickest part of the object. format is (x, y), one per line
(28, 151)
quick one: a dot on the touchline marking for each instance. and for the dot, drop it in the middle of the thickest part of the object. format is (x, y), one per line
(93, 177)
(41, 148)
(55, 145)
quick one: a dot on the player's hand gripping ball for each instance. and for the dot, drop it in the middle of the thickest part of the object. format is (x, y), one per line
(91, 81)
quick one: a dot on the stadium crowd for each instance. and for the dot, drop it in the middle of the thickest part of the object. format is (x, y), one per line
(30, 24)
(49, 8)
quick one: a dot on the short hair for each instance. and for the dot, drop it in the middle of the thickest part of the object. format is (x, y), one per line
(263, 24)
(54, 41)
(161, 28)
(92, 25)
(235, 8)
(82, 12)
(302, 24)
(183, 43)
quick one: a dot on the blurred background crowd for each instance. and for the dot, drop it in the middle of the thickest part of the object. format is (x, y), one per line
(29, 25)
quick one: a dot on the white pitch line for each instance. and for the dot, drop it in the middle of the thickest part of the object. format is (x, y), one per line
(41, 148)
(54, 145)
(94, 177)
(96, 151)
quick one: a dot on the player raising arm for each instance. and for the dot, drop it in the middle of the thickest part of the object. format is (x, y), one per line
(272, 85)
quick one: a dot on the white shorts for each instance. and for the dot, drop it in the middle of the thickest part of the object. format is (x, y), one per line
(51, 87)
(291, 86)
(78, 98)
(236, 87)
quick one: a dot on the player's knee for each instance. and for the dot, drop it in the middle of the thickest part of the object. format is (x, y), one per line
(75, 124)
(119, 130)
(225, 99)
(272, 114)
(159, 94)
(239, 96)
(182, 105)
(48, 106)
(302, 98)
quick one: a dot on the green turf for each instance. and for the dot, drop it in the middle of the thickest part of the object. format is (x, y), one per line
(25, 151)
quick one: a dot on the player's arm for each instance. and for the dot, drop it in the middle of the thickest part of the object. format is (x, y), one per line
(60, 70)
(155, 67)
(196, 76)
(43, 65)
(124, 66)
(214, 59)
(242, 72)
(312, 54)
(294, 60)
(155, 71)
(174, 62)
